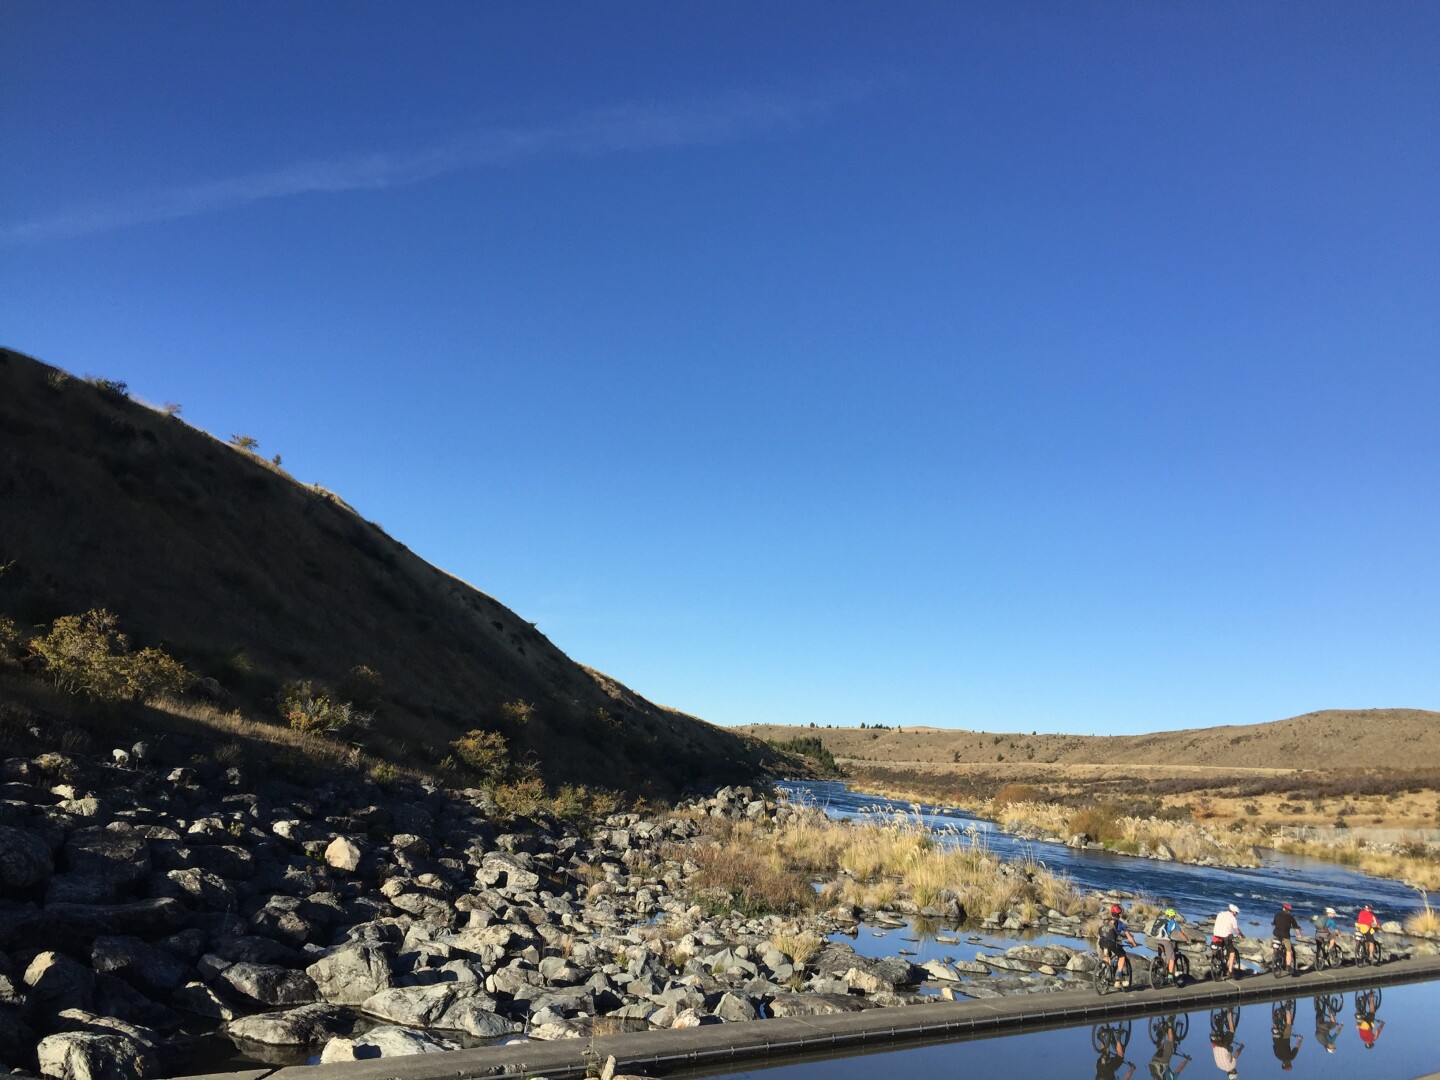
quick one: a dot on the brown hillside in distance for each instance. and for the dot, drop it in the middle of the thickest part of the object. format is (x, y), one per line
(253, 578)
(1400, 739)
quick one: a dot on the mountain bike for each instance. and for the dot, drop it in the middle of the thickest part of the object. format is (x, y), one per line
(1113, 1037)
(1277, 965)
(1108, 976)
(1368, 1001)
(1327, 952)
(1220, 952)
(1367, 949)
(1160, 976)
(1177, 1024)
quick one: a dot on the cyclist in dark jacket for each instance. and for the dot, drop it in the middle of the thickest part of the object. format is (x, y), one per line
(1285, 925)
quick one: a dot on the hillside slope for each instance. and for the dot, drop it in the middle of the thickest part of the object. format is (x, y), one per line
(253, 578)
(1392, 739)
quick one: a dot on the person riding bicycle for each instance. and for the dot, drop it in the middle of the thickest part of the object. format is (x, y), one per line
(1166, 928)
(1326, 930)
(1113, 935)
(1285, 925)
(1367, 928)
(1227, 929)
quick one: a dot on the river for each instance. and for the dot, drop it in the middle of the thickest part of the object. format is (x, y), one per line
(1197, 891)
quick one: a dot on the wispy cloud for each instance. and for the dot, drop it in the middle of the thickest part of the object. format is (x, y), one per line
(626, 128)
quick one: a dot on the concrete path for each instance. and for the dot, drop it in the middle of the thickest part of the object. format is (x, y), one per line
(721, 1046)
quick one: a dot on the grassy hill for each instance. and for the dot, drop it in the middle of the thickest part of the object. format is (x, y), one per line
(1333, 738)
(253, 579)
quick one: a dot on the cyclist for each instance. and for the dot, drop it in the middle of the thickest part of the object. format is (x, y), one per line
(1326, 932)
(1227, 929)
(1366, 927)
(1285, 925)
(1166, 928)
(1113, 935)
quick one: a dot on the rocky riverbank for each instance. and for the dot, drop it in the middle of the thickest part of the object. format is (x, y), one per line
(145, 907)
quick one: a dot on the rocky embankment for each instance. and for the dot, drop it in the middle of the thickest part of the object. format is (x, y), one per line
(144, 907)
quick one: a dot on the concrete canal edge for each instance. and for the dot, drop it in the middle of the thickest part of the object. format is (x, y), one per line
(719, 1046)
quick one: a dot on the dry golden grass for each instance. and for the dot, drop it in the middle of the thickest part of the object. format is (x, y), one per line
(1189, 840)
(798, 945)
(871, 865)
(1423, 922)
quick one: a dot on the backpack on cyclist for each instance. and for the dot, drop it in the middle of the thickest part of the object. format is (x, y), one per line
(1109, 935)
(1158, 927)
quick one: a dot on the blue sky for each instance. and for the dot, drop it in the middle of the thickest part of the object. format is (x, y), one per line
(1060, 366)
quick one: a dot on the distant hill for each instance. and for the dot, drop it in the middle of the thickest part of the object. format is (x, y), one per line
(253, 578)
(1401, 739)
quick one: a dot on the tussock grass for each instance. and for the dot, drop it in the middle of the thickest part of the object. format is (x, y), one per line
(798, 945)
(1189, 840)
(871, 865)
(1416, 865)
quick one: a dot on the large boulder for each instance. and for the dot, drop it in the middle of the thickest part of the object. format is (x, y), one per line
(24, 860)
(385, 1041)
(88, 1055)
(351, 974)
(309, 1025)
(57, 982)
(150, 969)
(104, 865)
(270, 985)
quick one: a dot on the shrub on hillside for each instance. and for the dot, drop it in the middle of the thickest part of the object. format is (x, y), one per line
(484, 752)
(314, 709)
(811, 747)
(87, 654)
(1017, 793)
(10, 639)
(1099, 823)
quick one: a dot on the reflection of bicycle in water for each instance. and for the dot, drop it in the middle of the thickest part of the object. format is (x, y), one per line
(1327, 1024)
(1223, 1025)
(1110, 1041)
(1367, 1004)
(1282, 1025)
(1167, 1032)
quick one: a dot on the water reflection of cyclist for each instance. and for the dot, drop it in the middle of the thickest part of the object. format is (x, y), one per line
(1167, 1045)
(1112, 1058)
(1282, 1021)
(1327, 1028)
(1222, 1042)
(1367, 1004)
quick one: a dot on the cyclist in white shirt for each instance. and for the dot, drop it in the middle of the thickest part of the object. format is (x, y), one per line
(1227, 929)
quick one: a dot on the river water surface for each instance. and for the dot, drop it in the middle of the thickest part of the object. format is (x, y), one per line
(1197, 891)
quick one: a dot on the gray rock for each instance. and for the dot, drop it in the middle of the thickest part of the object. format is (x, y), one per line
(350, 975)
(104, 865)
(270, 985)
(386, 1041)
(24, 860)
(199, 999)
(309, 1025)
(146, 967)
(198, 887)
(734, 1007)
(56, 982)
(816, 1004)
(85, 1055)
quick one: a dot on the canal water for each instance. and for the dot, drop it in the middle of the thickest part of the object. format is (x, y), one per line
(1197, 891)
(1387, 1034)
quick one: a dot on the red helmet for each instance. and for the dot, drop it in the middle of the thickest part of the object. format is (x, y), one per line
(1285, 906)
(1116, 909)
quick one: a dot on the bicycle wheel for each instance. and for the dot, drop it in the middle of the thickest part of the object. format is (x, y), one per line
(1322, 956)
(1158, 973)
(1103, 978)
(1182, 1027)
(1098, 1034)
(1182, 969)
(1125, 980)
(1329, 1003)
